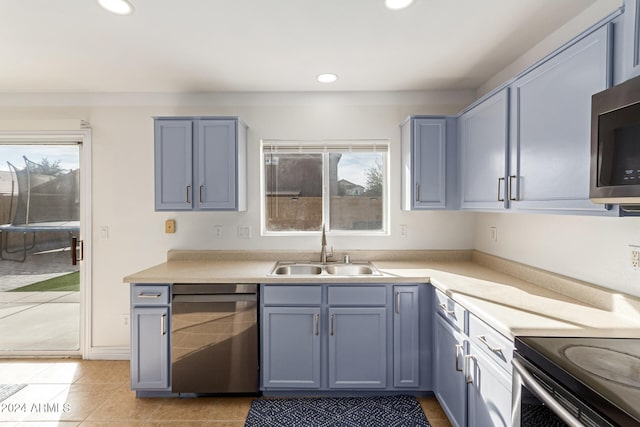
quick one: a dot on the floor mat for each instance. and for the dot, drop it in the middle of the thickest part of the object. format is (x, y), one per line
(387, 411)
(8, 390)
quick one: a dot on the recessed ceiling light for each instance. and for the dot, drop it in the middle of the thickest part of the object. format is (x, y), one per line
(327, 78)
(397, 4)
(119, 7)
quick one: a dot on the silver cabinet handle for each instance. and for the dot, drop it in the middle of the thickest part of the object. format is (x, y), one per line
(500, 180)
(201, 193)
(146, 295)
(543, 395)
(331, 325)
(317, 319)
(468, 377)
(510, 188)
(188, 193)
(163, 329)
(397, 302)
(484, 341)
(458, 351)
(443, 306)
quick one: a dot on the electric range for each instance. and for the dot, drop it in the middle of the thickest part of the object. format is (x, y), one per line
(576, 381)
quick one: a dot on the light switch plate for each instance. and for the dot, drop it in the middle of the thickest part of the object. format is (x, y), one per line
(170, 226)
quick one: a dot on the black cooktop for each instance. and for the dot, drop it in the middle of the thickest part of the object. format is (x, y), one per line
(603, 372)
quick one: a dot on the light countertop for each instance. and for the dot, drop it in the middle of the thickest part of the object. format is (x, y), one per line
(513, 298)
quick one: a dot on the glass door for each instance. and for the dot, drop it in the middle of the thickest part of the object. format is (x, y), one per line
(40, 286)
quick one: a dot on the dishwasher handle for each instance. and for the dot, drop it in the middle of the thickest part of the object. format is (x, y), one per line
(215, 298)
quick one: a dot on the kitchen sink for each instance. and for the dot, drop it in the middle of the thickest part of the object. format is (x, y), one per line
(306, 268)
(297, 269)
(350, 269)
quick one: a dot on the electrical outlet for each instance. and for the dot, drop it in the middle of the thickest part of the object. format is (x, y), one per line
(635, 257)
(217, 232)
(244, 231)
(125, 320)
(403, 230)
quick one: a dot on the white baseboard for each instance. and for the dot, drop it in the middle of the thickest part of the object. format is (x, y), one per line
(108, 353)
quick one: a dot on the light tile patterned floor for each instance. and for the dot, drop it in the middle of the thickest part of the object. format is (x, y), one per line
(71, 392)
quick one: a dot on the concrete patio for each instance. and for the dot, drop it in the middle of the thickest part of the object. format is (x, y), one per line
(38, 321)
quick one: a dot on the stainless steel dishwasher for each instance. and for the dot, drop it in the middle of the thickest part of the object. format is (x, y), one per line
(214, 338)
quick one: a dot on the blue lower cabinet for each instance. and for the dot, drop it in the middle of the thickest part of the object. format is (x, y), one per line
(150, 335)
(150, 348)
(358, 348)
(450, 384)
(291, 347)
(406, 336)
(344, 337)
(472, 368)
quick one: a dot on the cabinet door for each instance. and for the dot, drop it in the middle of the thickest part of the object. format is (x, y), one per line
(450, 384)
(631, 42)
(150, 348)
(551, 126)
(424, 163)
(489, 392)
(406, 337)
(217, 164)
(291, 347)
(483, 143)
(173, 165)
(357, 348)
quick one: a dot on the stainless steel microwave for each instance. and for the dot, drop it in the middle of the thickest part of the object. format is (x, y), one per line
(615, 145)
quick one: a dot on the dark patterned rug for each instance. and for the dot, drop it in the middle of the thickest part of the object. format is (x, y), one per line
(7, 390)
(388, 411)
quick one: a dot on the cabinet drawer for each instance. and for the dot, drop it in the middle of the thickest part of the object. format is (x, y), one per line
(292, 295)
(453, 312)
(150, 294)
(357, 295)
(497, 346)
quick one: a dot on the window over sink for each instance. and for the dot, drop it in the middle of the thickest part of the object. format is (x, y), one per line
(341, 184)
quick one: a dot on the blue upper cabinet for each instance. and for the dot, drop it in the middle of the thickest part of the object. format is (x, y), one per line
(173, 164)
(200, 163)
(428, 148)
(217, 166)
(550, 127)
(483, 132)
(631, 41)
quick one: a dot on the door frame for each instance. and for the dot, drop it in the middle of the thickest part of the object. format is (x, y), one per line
(82, 136)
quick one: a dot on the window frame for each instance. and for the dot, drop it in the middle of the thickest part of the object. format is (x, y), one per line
(325, 148)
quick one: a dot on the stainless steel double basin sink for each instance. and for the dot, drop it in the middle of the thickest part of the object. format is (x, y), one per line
(302, 268)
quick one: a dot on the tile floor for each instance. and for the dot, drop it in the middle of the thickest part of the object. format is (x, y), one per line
(73, 392)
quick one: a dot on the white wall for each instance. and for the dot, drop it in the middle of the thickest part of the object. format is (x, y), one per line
(592, 249)
(123, 173)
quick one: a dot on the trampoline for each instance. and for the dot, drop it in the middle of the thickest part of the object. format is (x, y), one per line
(47, 201)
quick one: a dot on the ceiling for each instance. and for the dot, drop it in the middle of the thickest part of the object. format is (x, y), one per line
(267, 45)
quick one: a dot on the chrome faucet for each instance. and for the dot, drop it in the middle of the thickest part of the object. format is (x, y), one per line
(323, 250)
